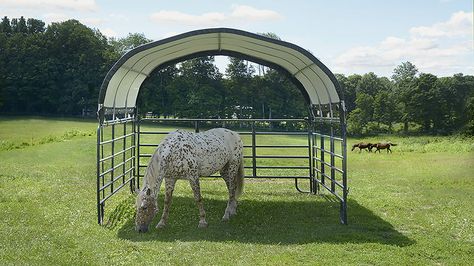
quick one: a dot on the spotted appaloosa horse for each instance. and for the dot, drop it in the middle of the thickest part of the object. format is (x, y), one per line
(363, 145)
(186, 155)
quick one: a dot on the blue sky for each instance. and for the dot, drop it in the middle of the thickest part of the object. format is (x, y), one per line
(352, 36)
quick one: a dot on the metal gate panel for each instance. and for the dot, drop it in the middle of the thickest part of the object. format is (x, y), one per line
(116, 137)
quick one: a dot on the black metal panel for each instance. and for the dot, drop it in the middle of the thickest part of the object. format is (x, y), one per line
(115, 157)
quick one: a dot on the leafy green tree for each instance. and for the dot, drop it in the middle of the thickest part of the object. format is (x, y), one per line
(385, 109)
(58, 70)
(77, 60)
(369, 84)
(155, 94)
(133, 40)
(365, 103)
(405, 76)
(35, 26)
(5, 26)
(349, 88)
(405, 73)
(3, 66)
(468, 128)
(289, 101)
(451, 94)
(204, 93)
(355, 122)
(21, 27)
(422, 101)
(239, 86)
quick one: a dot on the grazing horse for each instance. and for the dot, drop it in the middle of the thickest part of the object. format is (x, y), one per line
(363, 145)
(186, 155)
(384, 145)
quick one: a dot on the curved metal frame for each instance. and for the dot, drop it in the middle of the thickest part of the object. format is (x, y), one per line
(220, 51)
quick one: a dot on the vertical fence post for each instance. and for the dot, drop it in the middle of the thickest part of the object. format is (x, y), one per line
(333, 171)
(196, 126)
(124, 147)
(99, 216)
(133, 163)
(254, 151)
(102, 156)
(314, 158)
(112, 160)
(137, 158)
(323, 178)
(345, 190)
(310, 156)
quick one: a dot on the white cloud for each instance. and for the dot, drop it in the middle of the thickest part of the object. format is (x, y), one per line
(460, 24)
(443, 49)
(60, 17)
(78, 5)
(55, 17)
(92, 21)
(170, 34)
(239, 13)
(109, 32)
(119, 17)
(166, 16)
(251, 13)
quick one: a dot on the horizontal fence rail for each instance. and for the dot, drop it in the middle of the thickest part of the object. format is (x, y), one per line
(301, 149)
(251, 151)
(116, 158)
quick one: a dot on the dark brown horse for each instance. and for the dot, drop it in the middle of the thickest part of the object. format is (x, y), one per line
(383, 145)
(362, 146)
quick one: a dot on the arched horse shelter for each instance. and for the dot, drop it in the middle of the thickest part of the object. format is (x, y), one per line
(122, 149)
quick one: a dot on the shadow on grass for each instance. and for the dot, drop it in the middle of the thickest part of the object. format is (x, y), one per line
(314, 220)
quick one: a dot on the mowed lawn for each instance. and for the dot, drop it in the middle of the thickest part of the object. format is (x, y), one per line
(411, 207)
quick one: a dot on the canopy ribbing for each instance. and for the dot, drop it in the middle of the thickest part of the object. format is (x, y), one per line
(123, 81)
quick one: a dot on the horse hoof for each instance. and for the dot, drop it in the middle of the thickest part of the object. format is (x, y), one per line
(202, 225)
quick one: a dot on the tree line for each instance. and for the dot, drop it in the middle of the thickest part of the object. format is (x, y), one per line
(58, 69)
(422, 101)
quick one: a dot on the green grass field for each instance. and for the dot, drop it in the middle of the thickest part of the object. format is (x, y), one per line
(411, 207)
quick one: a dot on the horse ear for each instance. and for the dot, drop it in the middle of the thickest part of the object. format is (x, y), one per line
(148, 191)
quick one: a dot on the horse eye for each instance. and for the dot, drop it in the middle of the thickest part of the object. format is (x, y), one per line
(144, 207)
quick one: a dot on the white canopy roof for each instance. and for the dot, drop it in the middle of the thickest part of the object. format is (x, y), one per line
(121, 85)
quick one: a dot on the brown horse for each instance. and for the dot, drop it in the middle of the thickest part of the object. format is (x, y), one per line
(383, 145)
(363, 145)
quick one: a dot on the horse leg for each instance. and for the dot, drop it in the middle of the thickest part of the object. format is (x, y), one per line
(388, 149)
(230, 177)
(169, 184)
(194, 181)
(225, 175)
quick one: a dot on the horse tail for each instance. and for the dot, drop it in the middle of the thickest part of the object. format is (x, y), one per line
(240, 179)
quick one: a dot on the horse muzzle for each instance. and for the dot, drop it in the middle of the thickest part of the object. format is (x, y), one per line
(141, 228)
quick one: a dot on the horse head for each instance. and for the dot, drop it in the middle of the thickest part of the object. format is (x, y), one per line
(355, 146)
(146, 209)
